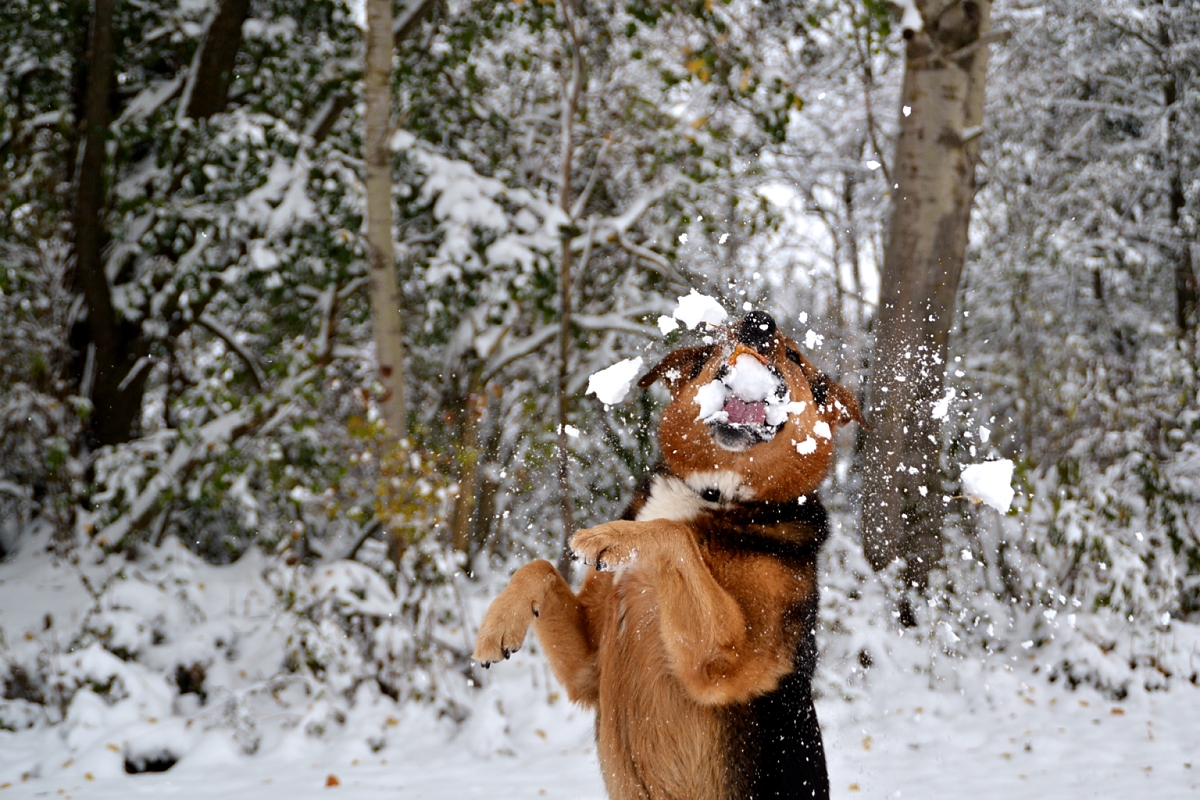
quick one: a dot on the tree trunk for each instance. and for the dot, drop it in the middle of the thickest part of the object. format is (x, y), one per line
(207, 90)
(115, 346)
(1187, 293)
(934, 173)
(572, 90)
(470, 461)
(385, 296)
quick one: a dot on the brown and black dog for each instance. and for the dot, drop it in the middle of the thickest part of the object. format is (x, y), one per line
(694, 639)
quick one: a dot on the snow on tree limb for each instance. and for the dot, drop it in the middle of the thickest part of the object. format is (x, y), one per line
(142, 509)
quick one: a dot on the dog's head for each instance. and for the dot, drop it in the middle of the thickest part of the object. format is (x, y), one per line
(750, 409)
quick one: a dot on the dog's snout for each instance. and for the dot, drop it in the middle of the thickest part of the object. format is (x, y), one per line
(757, 330)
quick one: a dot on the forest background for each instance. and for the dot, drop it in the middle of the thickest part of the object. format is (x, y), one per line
(188, 355)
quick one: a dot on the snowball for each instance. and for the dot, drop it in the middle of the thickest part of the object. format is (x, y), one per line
(667, 324)
(807, 447)
(711, 399)
(750, 379)
(697, 308)
(942, 407)
(990, 483)
(812, 339)
(612, 384)
(747, 381)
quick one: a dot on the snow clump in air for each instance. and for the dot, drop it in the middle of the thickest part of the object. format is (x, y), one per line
(942, 407)
(989, 483)
(667, 324)
(697, 308)
(612, 384)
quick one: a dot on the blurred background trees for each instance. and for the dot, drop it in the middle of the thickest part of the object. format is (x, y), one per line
(186, 334)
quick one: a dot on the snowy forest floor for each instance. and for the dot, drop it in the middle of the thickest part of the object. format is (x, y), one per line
(986, 728)
(904, 740)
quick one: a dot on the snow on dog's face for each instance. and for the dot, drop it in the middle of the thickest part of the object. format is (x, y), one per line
(752, 405)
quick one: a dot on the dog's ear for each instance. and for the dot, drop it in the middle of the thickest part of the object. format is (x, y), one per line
(678, 367)
(842, 401)
(831, 398)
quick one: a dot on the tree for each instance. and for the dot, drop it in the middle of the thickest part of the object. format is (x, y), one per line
(385, 297)
(113, 375)
(933, 173)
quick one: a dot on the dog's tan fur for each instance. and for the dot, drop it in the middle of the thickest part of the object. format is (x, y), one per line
(690, 627)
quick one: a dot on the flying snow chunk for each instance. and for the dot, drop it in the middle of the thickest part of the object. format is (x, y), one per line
(612, 384)
(697, 308)
(990, 483)
(910, 17)
(942, 407)
(812, 339)
(873, 165)
(667, 324)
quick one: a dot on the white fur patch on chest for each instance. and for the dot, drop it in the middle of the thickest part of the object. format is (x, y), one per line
(683, 499)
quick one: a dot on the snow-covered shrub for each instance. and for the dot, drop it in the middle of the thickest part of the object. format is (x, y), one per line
(40, 417)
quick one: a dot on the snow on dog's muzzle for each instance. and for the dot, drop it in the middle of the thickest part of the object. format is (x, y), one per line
(746, 404)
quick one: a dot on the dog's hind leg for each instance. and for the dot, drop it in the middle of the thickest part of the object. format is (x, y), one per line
(538, 595)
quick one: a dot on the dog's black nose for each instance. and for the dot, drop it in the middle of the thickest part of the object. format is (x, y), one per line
(757, 330)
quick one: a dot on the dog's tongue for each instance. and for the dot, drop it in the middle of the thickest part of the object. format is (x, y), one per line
(740, 411)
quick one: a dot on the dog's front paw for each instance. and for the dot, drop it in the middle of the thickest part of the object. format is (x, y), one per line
(507, 620)
(609, 545)
(503, 630)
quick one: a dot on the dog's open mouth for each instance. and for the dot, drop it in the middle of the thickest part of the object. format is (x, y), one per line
(747, 404)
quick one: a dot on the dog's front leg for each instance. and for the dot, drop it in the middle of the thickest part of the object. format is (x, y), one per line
(703, 628)
(537, 594)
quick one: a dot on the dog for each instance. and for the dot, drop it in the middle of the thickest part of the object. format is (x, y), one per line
(694, 638)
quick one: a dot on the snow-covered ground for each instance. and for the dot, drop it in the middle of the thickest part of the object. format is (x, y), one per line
(980, 729)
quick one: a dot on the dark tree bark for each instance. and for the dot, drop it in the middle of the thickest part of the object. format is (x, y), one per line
(212, 74)
(115, 347)
(570, 107)
(934, 173)
(1187, 293)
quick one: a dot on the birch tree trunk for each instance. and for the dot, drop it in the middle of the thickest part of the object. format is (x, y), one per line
(385, 296)
(934, 186)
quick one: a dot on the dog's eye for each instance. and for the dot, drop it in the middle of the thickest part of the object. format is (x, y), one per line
(697, 366)
(793, 357)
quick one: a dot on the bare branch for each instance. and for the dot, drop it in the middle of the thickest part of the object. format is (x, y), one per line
(224, 334)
